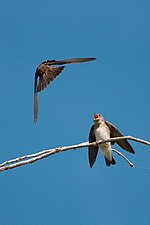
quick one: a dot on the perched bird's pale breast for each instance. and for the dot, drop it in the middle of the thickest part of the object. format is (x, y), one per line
(102, 133)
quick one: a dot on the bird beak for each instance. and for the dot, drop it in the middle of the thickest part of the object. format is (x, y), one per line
(96, 116)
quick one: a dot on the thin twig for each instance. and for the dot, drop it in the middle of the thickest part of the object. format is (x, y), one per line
(23, 160)
(123, 156)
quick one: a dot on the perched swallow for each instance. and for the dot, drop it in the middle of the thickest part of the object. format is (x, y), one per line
(102, 130)
(45, 74)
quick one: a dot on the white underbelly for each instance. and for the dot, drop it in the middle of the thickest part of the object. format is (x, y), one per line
(102, 134)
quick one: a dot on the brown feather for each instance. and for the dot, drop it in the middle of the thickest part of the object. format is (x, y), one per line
(108, 163)
(45, 74)
(35, 107)
(92, 150)
(114, 132)
(49, 74)
(68, 61)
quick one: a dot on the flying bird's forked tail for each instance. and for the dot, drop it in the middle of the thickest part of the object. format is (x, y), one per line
(35, 107)
(35, 101)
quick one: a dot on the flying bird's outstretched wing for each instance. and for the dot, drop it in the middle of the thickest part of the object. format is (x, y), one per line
(114, 132)
(47, 76)
(68, 61)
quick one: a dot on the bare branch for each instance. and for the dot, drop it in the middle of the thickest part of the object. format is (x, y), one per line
(123, 156)
(23, 160)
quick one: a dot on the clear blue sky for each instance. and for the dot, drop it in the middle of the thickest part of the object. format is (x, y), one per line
(62, 189)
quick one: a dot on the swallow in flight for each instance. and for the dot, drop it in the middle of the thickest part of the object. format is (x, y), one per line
(46, 72)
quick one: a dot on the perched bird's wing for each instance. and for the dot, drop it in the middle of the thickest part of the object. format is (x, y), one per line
(92, 150)
(68, 61)
(43, 76)
(114, 132)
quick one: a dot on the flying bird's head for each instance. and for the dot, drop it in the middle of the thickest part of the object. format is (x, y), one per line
(98, 119)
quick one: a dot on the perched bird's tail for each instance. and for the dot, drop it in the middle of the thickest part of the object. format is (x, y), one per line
(108, 163)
